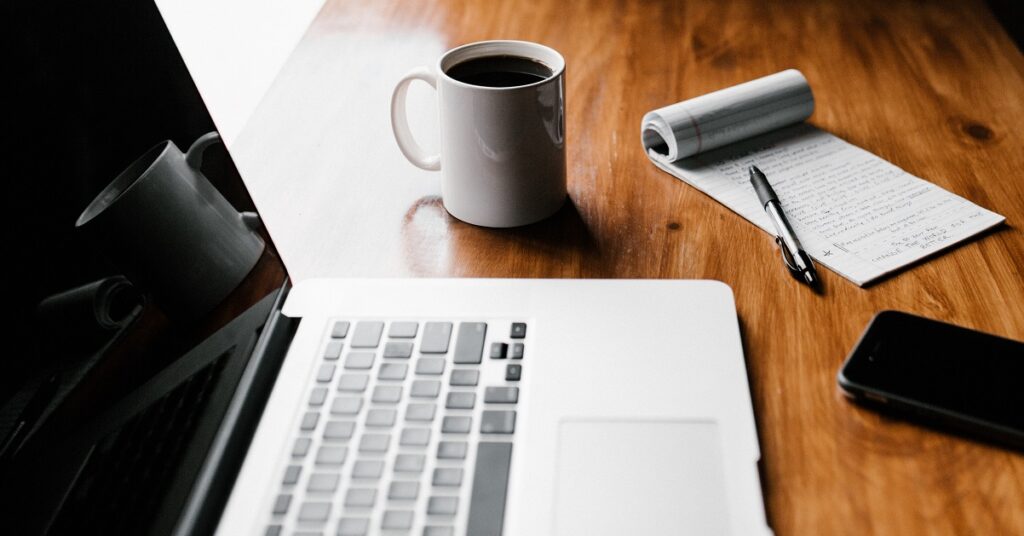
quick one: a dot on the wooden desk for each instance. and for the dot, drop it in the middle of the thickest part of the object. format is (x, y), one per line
(935, 88)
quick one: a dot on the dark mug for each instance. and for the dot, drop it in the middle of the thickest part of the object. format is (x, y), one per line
(171, 232)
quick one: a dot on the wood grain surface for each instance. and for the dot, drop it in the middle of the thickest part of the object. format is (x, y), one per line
(935, 87)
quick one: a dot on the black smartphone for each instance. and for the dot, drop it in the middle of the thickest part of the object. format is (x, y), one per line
(945, 375)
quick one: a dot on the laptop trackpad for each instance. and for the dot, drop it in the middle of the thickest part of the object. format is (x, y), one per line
(640, 477)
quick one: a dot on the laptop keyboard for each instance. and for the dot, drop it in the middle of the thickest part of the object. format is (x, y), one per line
(407, 428)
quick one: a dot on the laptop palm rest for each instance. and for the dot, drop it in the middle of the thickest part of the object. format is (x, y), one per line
(637, 477)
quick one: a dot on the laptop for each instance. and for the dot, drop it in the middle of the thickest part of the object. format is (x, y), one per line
(330, 406)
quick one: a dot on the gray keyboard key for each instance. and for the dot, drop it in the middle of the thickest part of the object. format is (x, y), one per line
(346, 405)
(392, 371)
(435, 530)
(447, 476)
(326, 373)
(432, 366)
(359, 360)
(469, 345)
(273, 530)
(318, 396)
(442, 506)
(397, 519)
(464, 377)
(380, 417)
(420, 412)
(415, 437)
(309, 421)
(435, 337)
(331, 455)
(403, 490)
(314, 511)
(403, 330)
(281, 504)
(460, 400)
(490, 484)
(513, 373)
(353, 526)
(301, 447)
(338, 430)
(499, 350)
(387, 393)
(368, 469)
(367, 335)
(353, 383)
(398, 349)
(452, 450)
(333, 350)
(374, 442)
(409, 463)
(425, 389)
(291, 475)
(340, 330)
(501, 395)
(518, 330)
(517, 351)
(360, 497)
(498, 422)
(323, 482)
(456, 425)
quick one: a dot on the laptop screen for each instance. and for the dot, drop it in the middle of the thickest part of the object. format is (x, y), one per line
(129, 236)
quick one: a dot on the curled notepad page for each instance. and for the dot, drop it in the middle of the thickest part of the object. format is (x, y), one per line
(855, 213)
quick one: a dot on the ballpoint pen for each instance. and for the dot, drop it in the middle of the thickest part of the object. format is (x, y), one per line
(793, 254)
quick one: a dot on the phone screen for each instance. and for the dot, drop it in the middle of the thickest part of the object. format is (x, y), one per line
(943, 366)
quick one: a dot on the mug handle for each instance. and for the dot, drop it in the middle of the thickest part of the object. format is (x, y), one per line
(400, 121)
(194, 155)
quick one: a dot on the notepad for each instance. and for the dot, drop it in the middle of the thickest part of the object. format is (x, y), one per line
(855, 213)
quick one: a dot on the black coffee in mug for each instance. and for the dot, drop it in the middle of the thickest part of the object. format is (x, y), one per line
(500, 71)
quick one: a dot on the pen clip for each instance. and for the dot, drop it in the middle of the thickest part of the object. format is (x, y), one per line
(787, 258)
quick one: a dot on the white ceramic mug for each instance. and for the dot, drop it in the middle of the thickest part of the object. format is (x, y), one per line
(502, 148)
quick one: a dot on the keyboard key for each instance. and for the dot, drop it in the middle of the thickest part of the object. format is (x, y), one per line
(368, 469)
(367, 334)
(273, 530)
(331, 455)
(460, 400)
(447, 476)
(333, 350)
(420, 412)
(374, 442)
(518, 330)
(359, 360)
(490, 484)
(381, 417)
(435, 530)
(346, 405)
(397, 519)
(323, 482)
(301, 447)
(425, 389)
(387, 393)
(409, 463)
(415, 437)
(326, 373)
(281, 504)
(403, 490)
(291, 475)
(353, 383)
(456, 425)
(442, 506)
(360, 497)
(435, 337)
(513, 373)
(400, 350)
(431, 366)
(314, 511)
(452, 450)
(318, 396)
(498, 422)
(353, 526)
(403, 330)
(517, 351)
(498, 350)
(340, 330)
(469, 345)
(309, 421)
(464, 377)
(501, 395)
(392, 371)
(338, 430)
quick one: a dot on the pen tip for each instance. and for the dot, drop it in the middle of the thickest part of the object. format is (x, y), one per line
(754, 171)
